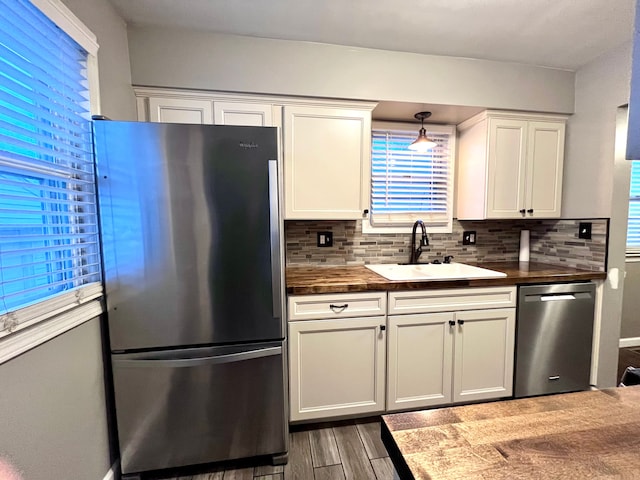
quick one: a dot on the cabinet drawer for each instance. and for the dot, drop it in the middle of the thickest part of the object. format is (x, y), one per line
(308, 307)
(421, 301)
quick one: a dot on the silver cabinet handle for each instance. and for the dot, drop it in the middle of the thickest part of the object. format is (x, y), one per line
(338, 308)
(554, 377)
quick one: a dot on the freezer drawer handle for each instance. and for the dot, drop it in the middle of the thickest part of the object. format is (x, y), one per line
(554, 377)
(196, 362)
(338, 308)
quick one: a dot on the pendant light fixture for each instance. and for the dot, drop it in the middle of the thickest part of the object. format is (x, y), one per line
(422, 143)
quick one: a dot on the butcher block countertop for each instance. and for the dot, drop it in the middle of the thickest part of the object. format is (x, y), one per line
(583, 435)
(303, 280)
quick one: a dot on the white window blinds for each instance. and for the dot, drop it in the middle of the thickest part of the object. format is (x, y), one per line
(407, 185)
(633, 225)
(49, 255)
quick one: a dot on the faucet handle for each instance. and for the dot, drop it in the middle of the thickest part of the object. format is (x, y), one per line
(447, 258)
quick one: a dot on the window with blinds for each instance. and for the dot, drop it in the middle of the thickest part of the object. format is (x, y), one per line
(407, 186)
(49, 254)
(633, 225)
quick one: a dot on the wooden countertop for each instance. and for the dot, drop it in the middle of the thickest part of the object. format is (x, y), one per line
(582, 435)
(302, 280)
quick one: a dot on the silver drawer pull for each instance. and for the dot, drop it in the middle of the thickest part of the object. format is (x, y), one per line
(554, 377)
(338, 308)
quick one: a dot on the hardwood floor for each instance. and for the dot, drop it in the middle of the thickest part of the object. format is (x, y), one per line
(349, 450)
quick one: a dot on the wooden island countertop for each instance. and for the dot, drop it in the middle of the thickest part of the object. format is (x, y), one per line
(313, 279)
(584, 435)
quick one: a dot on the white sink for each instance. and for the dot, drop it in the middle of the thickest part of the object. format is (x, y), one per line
(433, 271)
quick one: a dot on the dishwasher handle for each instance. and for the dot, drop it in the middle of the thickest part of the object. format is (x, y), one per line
(558, 297)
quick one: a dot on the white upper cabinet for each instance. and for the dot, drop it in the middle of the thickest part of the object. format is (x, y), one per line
(326, 152)
(510, 166)
(237, 113)
(545, 151)
(180, 110)
(326, 144)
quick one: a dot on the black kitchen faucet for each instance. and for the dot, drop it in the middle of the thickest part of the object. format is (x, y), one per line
(424, 242)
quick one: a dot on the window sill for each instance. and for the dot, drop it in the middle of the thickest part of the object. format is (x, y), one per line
(367, 228)
(18, 343)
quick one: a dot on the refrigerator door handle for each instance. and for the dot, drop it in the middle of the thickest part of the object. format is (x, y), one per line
(274, 222)
(196, 362)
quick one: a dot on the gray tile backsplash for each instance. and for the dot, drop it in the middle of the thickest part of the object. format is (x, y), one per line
(551, 241)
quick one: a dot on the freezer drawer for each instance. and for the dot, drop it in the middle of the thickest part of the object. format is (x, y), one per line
(554, 338)
(199, 405)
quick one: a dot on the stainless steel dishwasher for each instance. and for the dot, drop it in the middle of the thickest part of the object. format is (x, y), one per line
(554, 333)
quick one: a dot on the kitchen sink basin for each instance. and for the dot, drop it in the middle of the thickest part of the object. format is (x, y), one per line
(433, 271)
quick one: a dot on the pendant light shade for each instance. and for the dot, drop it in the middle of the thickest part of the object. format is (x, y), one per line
(422, 143)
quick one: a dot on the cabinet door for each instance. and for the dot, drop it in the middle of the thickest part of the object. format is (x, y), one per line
(325, 153)
(235, 113)
(419, 360)
(336, 367)
(545, 155)
(180, 110)
(506, 168)
(483, 354)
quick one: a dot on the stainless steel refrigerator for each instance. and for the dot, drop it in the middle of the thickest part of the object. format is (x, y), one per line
(192, 246)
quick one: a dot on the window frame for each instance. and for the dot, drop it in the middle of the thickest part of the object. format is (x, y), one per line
(632, 253)
(50, 317)
(439, 227)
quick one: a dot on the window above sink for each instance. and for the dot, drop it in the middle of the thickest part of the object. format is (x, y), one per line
(406, 186)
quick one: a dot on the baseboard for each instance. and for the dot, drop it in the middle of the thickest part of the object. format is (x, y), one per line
(630, 342)
(111, 474)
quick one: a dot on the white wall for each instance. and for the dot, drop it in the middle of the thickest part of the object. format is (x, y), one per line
(601, 87)
(593, 162)
(116, 95)
(52, 416)
(177, 58)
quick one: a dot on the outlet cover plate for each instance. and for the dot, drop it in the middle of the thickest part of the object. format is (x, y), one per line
(325, 239)
(469, 237)
(584, 230)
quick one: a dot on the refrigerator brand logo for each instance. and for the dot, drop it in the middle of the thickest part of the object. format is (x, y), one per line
(248, 145)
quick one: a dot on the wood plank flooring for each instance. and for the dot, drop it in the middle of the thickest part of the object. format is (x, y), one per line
(347, 450)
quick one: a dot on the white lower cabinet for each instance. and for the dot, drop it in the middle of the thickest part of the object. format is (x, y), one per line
(419, 360)
(336, 367)
(483, 354)
(363, 353)
(444, 357)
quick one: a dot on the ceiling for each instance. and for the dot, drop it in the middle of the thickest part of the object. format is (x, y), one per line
(563, 34)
